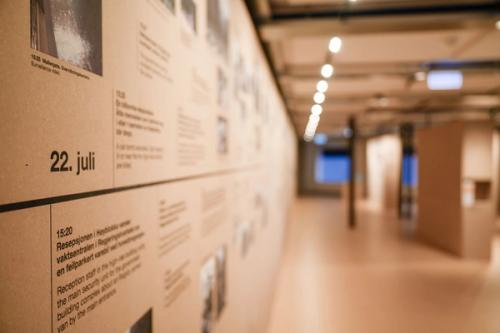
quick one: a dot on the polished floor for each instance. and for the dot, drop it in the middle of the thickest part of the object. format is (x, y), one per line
(376, 279)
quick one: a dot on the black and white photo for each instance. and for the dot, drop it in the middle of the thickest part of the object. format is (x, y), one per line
(69, 30)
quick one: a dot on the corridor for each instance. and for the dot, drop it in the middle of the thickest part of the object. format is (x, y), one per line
(186, 166)
(375, 279)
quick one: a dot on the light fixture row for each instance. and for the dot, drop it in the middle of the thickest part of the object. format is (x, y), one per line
(439, 80)
(327, 71)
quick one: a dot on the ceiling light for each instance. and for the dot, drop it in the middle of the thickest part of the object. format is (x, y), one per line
(311, 127)
(310, 132)
(319, 97)
(497, 25)
(316, 109)
(352, 0)
(312, 124)
(313, 119)
(322, 86)
(445, 80)
(327, 71)
(335, 44)
(420, 76)
(310, 135)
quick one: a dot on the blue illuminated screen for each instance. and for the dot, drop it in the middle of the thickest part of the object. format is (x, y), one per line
(332, 167)
(410, 170)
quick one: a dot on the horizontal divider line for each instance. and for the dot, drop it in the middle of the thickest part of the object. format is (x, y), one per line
(70, 197)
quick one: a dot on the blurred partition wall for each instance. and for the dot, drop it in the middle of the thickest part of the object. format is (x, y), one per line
(458, 165)
(148, 166)
(384, 162)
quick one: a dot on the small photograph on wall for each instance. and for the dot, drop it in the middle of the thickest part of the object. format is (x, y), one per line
(143, 325)
(207, 279)
(218, 25)
(260, 207)
(255, 86)
(170, 4)
(220, 264)
(69, 30)
(213, 289)
(222, 130)
(222, 90)
(245, 237)
(189, 12)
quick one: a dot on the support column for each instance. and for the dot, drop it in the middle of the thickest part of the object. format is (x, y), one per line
(351, 201)
(405, 196)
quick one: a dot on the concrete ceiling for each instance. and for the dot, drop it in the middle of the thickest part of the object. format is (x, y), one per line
(385, 42)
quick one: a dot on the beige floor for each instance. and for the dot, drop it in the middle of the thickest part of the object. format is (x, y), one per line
(374, 279)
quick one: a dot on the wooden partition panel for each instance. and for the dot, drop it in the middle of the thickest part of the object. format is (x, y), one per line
(440, 169)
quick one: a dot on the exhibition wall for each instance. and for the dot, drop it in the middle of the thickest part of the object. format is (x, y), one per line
(148, 167)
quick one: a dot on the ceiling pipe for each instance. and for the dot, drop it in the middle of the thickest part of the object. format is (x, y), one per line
(486, 7)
